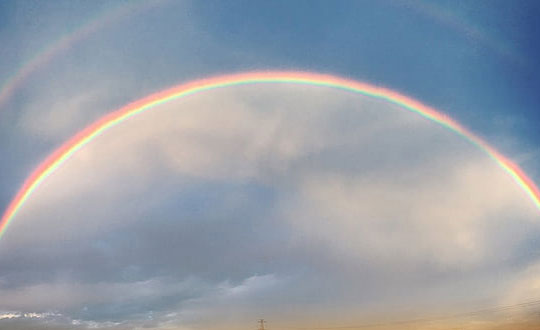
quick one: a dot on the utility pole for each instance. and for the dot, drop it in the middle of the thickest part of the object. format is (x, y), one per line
(261, 324)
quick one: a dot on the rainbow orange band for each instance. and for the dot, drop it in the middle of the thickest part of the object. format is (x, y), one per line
(68, 149)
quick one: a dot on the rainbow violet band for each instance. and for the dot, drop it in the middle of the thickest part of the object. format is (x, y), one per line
(68, 149)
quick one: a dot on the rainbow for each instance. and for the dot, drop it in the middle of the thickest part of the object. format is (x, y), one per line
(65, 43)
(87, 135)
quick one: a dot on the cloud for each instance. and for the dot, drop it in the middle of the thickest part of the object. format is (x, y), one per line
(450, 215)
(55, 115)
(276, 199)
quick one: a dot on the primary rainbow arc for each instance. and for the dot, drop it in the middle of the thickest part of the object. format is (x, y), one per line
(68, 149)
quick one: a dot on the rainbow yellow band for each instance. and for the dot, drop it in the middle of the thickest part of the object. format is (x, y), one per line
(68, 149)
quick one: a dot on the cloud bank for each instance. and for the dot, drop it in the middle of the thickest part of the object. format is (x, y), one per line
(280, 201)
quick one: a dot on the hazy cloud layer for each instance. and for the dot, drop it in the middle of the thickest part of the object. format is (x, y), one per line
(277, 200)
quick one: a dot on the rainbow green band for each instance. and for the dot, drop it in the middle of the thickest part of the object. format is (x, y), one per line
(68, 149)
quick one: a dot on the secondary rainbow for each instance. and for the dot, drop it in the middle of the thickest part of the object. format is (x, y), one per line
(66, 42)
(87, 135)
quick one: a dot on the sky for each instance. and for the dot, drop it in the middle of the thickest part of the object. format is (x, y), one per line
(308, 206)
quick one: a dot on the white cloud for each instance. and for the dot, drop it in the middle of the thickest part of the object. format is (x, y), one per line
(53, 116)
(445, 218)
(363, 200)
(9, 315)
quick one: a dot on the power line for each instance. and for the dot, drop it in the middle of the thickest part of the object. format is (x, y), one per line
(429, 319)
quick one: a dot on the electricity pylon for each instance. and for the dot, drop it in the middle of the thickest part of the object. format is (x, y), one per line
(261, 324)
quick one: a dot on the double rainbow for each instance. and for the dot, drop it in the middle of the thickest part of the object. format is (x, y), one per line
(87, 135)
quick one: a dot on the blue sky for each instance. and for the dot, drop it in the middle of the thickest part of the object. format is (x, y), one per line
(475, 61)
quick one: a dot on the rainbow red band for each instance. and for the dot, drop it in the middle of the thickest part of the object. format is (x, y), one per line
(68, 149)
